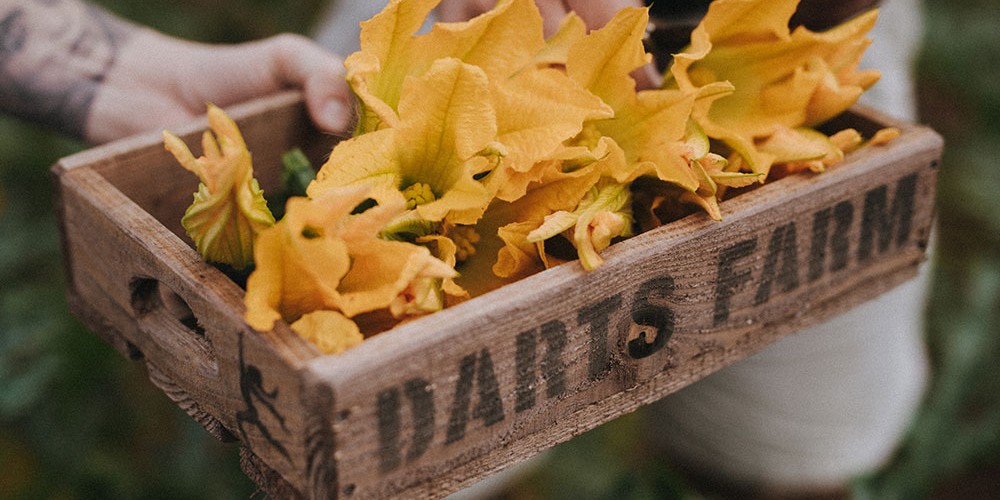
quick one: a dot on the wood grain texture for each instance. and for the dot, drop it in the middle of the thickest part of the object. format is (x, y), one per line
(134, 280)
(436, 403)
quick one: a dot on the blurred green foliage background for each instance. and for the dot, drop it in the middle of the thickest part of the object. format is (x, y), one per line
(79, 421)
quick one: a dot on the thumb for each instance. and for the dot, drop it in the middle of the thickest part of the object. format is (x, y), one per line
(328, 103)
(319, 73)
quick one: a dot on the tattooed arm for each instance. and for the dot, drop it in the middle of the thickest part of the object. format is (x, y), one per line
(77, 68)
(53, 57)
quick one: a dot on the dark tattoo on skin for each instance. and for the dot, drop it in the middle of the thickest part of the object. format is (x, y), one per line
(54, 55)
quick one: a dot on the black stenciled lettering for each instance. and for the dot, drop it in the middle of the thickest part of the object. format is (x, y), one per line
(524, 362)
(842, 215)
(463, 395)
(647, 314)
(878, 219)
(258, 401)
(489, 408)
(553, 367)
(729, 280)
(781, 264)
(421, 396)
(390, 422)
(388, 413)
(598, 316)
(820, 236)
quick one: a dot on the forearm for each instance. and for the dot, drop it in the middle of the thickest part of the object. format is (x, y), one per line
(54, 56)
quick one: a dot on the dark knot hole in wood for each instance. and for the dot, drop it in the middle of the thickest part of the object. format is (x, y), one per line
(149, 296)
(170, 319)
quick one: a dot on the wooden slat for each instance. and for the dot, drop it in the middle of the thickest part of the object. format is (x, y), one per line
(144, 289)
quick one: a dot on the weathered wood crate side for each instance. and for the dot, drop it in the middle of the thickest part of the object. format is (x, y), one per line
(439, 402)
(134, 280)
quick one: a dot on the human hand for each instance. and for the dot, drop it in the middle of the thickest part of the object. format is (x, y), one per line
(158, 81)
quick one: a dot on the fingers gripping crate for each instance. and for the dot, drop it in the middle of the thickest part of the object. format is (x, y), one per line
(436, 403)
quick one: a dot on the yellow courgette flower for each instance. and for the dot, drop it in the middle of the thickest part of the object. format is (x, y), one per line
(557, 192)
(645, 136)
(320, 256)
(456, 244)
(602, 215)
(564, 190)
(300, 261)
(713, 172)
(537, 107)
(783, 79)
(330, 331)
(538, 111)
(229, 208)
(445, 135)
(557, 184)
(649, 126)
(500, 42)
(502, 253)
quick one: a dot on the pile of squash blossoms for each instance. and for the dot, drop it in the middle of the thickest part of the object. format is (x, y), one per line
(484, 152)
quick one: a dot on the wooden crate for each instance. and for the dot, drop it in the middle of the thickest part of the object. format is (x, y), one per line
(433, 405)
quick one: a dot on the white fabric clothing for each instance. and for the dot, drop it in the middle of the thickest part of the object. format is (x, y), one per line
(830, 402)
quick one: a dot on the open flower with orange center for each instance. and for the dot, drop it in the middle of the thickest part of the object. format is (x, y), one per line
(445, 135)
